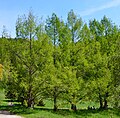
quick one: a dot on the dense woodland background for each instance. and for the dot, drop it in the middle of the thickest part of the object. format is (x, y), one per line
(68, 61)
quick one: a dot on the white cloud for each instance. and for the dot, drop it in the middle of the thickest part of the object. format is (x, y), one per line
(113, 3)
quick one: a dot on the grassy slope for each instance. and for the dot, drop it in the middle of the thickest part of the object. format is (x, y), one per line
(47, 112)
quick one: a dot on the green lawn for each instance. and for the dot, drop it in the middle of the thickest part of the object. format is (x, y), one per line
(64, 112)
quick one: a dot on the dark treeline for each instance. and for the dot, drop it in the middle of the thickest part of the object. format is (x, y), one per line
(69, 61)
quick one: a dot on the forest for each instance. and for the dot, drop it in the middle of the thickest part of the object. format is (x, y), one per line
(69, 61)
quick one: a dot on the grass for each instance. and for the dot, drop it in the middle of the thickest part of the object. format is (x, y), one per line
(47, 111)
(61, 113)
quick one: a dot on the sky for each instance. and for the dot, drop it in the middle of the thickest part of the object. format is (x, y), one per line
(86, 9)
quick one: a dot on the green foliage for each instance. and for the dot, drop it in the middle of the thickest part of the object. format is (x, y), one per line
(68, 61)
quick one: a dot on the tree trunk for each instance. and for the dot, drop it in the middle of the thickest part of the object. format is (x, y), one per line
(73, 107)
(105, 101)
(55, 99)
(73, 102)
(55, 104)
(29, 103)
(105, 104)
(29, 98)
(101, 102)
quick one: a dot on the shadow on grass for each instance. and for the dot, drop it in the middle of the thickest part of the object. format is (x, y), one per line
(78, 113)
(18, 109)
(82, 113)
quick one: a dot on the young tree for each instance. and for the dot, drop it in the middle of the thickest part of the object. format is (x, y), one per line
(52, 29)
(30, 55)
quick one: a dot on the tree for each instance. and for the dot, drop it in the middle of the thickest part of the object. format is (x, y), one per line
(105, 33)
(29, 54)
(55, 84)
(74, 24)
(5, 32)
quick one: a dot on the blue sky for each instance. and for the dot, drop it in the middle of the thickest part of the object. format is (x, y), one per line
(87, 9)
